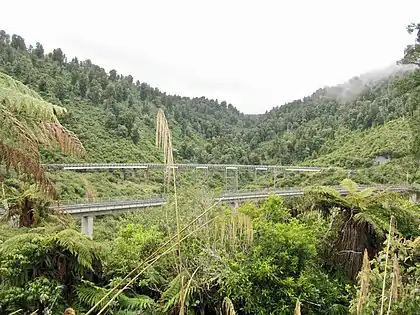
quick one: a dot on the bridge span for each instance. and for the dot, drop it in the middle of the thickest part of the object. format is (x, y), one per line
(87, 210)
(112, 166)
(105, 206)
(231, 171)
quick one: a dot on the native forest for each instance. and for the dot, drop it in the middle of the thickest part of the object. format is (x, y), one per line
(118, 198)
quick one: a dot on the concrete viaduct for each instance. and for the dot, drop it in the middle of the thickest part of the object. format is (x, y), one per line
(87, 210)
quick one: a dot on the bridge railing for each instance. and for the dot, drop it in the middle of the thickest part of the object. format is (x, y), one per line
(104, 200)
(336, 187)
(87, 166)
(252, 191)
(107, 208)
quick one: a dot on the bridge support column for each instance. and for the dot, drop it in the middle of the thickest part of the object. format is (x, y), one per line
(275, 178)
(228, 178)
(87, 226)
(413, 198)
(234, 205)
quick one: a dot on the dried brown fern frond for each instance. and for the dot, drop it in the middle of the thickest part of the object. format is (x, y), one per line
(27, 123)
(23, 162)
(67, 141)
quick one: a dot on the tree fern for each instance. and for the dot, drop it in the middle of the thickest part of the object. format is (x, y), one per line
(61, 256)
(29, 122)
(15, 243)
(361, 222)
(78, 245)
(27, 203)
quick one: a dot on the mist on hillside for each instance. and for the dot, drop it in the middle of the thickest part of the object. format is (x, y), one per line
(351, 89)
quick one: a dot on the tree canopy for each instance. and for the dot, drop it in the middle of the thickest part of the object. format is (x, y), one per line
(320, 253)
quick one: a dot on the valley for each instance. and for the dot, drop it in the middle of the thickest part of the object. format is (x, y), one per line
(198, 208)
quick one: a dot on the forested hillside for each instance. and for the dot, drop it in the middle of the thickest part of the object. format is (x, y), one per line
(110, 111)
(316, 253)
(299, 130)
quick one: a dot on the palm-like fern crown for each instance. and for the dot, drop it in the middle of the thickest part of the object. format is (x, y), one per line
(27, 122)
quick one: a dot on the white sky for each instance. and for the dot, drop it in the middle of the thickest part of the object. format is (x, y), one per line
(253, 54)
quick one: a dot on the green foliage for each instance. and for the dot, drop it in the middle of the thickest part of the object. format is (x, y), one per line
(259, 259)
(108, 111)
(133, 244)
(51, 264)
(358, 149)
(360, 221)
(263, 281)
(402, 276)
(28, 123)
(262, 257)
(40, 294)
(272, 209)
(88, 294)
(412, 52)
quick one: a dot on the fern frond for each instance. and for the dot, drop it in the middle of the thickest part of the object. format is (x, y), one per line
(350, 185)
(89, 294)
(27, 123)
(139, 302)
(171, 296)
(85, 250)
(16, 242)
(367, 192)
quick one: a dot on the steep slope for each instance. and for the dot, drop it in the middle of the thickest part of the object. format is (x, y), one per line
(347, 125)
(299, 131)
(359, 148)
(114, 116)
